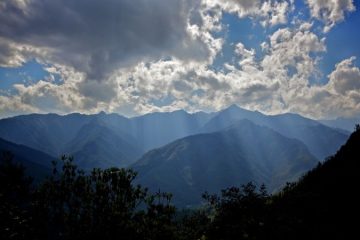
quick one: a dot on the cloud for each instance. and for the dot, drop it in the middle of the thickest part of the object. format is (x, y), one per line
(258, 84)
(158, 56)
(97, 37)
(13, 54)
(12, 105)
(9, 55)
(268, 12)
(340, 96)
(293, 49)
(345, 77)
(330, 11)
(103, 40)
(276, 83)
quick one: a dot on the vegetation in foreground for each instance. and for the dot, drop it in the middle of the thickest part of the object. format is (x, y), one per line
(105, 204)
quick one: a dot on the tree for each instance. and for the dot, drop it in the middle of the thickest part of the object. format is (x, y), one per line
(239, 213)
(103, 204)
(15, 194)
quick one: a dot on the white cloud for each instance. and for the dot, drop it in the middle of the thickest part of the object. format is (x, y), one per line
(345, 77)
(12, 105)
(330, 11)
(290, 54)
(339, 97)
(275, 12)
(268, 12)
(247, 56)
(47, 96)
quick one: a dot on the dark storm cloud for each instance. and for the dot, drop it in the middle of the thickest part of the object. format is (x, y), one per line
(98, 36)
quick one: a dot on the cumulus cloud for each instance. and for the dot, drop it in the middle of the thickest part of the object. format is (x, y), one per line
(345, 77)
(97, 37)
(15, 55)
(48, 96)
(101, 40)
(283, 73)
(340, 96)
(291, 49)
(12, 105)
(268, 12)
(278, 82)
(330, 11)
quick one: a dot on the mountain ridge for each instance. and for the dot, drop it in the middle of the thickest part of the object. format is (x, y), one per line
(56, 134)
(236, 155)
(289, 124)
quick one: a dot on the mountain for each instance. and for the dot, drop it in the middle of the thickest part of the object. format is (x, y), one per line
(37, 164)
(100, 140)
(96, 145)
(236, 155)
(346, 124)
(48, 133)
(322, 141)
(121, 140)
(324, 203)
(157, 129)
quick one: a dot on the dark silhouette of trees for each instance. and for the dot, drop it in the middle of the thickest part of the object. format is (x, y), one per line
(193, 223)
(239, 213)
(72, 204)
(15, 198)
(324, 203)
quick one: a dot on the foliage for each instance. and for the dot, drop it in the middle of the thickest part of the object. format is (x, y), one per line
(14, 199)
(193, 224)
(72, 204)
(239, 213)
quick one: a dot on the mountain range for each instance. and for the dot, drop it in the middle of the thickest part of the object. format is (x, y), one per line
(345, 124)
(181, 152)
(238, 154)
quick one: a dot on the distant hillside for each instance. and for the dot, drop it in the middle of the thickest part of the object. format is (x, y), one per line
(321, 140)
(100, 140)
(37, 164)
(236, 155)
(48, 133)
(157, 129)
(346, 124)
(96, 145)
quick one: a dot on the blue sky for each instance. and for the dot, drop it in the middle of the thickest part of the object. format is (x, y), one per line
(28, 73)
(135, 60)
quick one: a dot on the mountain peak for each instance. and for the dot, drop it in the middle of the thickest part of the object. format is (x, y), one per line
(232, 106)
(180, 111)
(235, 108)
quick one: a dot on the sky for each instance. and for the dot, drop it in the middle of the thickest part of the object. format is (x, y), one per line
(138, 56)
